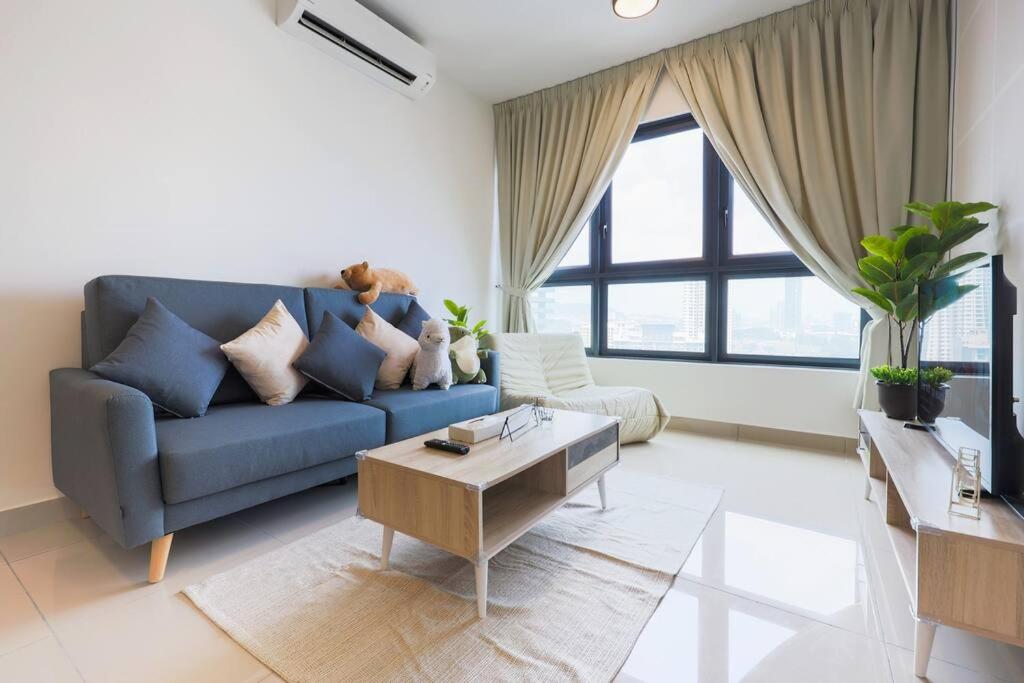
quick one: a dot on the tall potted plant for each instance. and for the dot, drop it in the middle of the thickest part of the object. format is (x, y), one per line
(911, 276)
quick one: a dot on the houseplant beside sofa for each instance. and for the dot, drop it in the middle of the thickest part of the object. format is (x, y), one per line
(141, 476)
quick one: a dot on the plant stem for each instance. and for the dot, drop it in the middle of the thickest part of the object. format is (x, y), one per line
(903, 355)
(888, 346)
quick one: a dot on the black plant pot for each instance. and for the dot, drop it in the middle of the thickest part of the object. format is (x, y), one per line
(898, 401)
(932, 402)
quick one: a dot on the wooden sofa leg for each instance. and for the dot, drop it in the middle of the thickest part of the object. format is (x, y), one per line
(158, 552)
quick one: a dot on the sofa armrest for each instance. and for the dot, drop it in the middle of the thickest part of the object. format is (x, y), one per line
(103, 447)
(491, 365)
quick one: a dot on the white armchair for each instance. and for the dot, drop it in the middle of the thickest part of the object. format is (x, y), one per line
(552, 370)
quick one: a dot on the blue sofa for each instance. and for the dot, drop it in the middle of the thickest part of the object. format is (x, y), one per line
(141, 477)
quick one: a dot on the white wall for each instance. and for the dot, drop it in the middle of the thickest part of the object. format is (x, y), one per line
(195, 139)
(988, 138)
(812, 400)
(816, 401)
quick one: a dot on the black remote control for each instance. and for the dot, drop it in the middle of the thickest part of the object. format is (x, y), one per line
(445, 445)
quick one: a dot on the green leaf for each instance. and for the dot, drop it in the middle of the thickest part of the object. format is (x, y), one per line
(900, 229)
(906, 309)
(479, 325)
(898, 290)
(921, 244)
(877, 270)
(956, 263)
(960, 234)
(944, 214)
(915, 267)
(909, 233)
(875, 298)
(971, 208)
(452, 307)
(936, 295)
(919, 208)
(880, 245)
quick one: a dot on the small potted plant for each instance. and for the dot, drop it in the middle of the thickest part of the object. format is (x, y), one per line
(933, 387)
(911, 276)
(897, 391)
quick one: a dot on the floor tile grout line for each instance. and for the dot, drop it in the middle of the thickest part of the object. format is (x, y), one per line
(46, 621)
(776, 607)
(876, 609)
(48, 550)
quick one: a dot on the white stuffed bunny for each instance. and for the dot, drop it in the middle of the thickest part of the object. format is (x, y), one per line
(432, 364)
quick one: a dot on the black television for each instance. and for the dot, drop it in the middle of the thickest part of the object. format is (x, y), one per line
(973, 337)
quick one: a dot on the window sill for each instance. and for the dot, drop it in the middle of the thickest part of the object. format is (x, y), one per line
(739, 363)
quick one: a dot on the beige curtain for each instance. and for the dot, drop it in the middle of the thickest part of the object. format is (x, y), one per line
(831, 116)
(556, 151)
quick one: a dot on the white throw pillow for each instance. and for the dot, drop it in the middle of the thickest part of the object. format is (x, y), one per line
(400, 347)
(264, 356)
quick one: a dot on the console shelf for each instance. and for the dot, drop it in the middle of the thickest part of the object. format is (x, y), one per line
(959, 572)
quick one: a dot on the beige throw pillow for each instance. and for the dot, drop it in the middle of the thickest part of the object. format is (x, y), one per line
(264, 356)
(400, 347)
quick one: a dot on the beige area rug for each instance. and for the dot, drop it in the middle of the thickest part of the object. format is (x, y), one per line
(566, 602)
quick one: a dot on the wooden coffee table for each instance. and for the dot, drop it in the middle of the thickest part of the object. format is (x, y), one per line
(477, 504)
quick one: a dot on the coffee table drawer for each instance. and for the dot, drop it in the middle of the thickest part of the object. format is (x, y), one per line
(589, 457)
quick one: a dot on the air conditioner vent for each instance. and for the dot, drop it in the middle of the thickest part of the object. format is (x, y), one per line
(354, 47)
(358, 38)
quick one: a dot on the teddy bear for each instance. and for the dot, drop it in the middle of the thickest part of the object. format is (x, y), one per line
(370, 282)
(465, 354)
(432, 364)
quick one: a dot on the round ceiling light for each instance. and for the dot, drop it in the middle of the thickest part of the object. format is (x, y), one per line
(633, 9)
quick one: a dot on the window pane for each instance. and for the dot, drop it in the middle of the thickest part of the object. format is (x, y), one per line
(657, 316)
(751, 233)
(579, 252)
(658, 200)
(562, 310)
(961, 332)
(791, 316)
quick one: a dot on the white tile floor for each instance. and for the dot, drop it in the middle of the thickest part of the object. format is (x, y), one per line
(793, 581)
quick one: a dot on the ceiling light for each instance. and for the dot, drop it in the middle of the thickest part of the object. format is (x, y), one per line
(633, 9)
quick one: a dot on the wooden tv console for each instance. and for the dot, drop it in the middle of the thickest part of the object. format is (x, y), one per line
(960, 572)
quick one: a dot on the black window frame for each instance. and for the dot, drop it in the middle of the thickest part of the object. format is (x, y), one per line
(717, 266)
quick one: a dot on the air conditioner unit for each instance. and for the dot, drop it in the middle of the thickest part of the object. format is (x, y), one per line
(356, 36)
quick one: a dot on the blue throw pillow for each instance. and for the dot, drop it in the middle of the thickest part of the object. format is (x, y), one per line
(412, 322)
(176, 365)
(341, 360)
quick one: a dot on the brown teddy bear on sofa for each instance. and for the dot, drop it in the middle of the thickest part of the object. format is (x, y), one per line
(370, 282)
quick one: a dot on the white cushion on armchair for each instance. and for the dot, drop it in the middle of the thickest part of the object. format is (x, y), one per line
(552, 370)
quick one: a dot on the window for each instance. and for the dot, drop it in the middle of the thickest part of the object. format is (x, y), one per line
(751, 233)
(790, 316)
(656, 200)
(565, 309)
(677, 262)
(657, 316)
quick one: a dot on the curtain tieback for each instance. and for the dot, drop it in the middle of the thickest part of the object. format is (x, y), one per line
(515, 291)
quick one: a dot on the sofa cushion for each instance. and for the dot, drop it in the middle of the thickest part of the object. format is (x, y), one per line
(241, 443)
(412, 322)
(343, 303)
(264, 356)
(178, 367)
(401, 349)
(341, 360)
(222, 310)
(411, 413)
